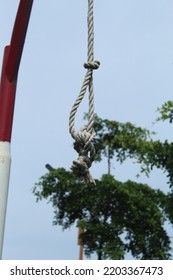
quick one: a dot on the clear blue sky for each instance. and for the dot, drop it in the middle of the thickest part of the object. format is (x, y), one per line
(134, 43)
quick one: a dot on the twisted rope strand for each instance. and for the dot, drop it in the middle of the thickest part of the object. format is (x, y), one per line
(83, 139)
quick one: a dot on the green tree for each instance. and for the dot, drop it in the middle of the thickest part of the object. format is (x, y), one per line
(117, 217)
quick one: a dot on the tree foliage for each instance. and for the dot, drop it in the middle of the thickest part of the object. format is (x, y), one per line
(166, 111)
(117, 217)
(126, 140)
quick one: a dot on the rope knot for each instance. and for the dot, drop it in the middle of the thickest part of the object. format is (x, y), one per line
(80, 168)
(93, 65)
(85, 148)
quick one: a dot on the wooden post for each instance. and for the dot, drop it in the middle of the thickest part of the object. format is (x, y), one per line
(80, 231)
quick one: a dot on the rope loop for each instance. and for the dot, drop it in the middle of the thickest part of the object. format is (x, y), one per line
(83, 139)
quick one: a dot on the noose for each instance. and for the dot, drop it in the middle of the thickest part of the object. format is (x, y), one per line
(84, 138)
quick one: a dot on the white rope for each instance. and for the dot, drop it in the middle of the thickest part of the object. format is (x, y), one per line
(83, 139)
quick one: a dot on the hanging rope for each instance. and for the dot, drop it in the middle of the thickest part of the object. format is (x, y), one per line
(84, 138)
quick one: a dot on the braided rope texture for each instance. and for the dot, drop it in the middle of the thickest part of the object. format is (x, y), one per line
(84, 138)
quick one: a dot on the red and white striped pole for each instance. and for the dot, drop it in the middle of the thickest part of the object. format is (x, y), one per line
(11, 63)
